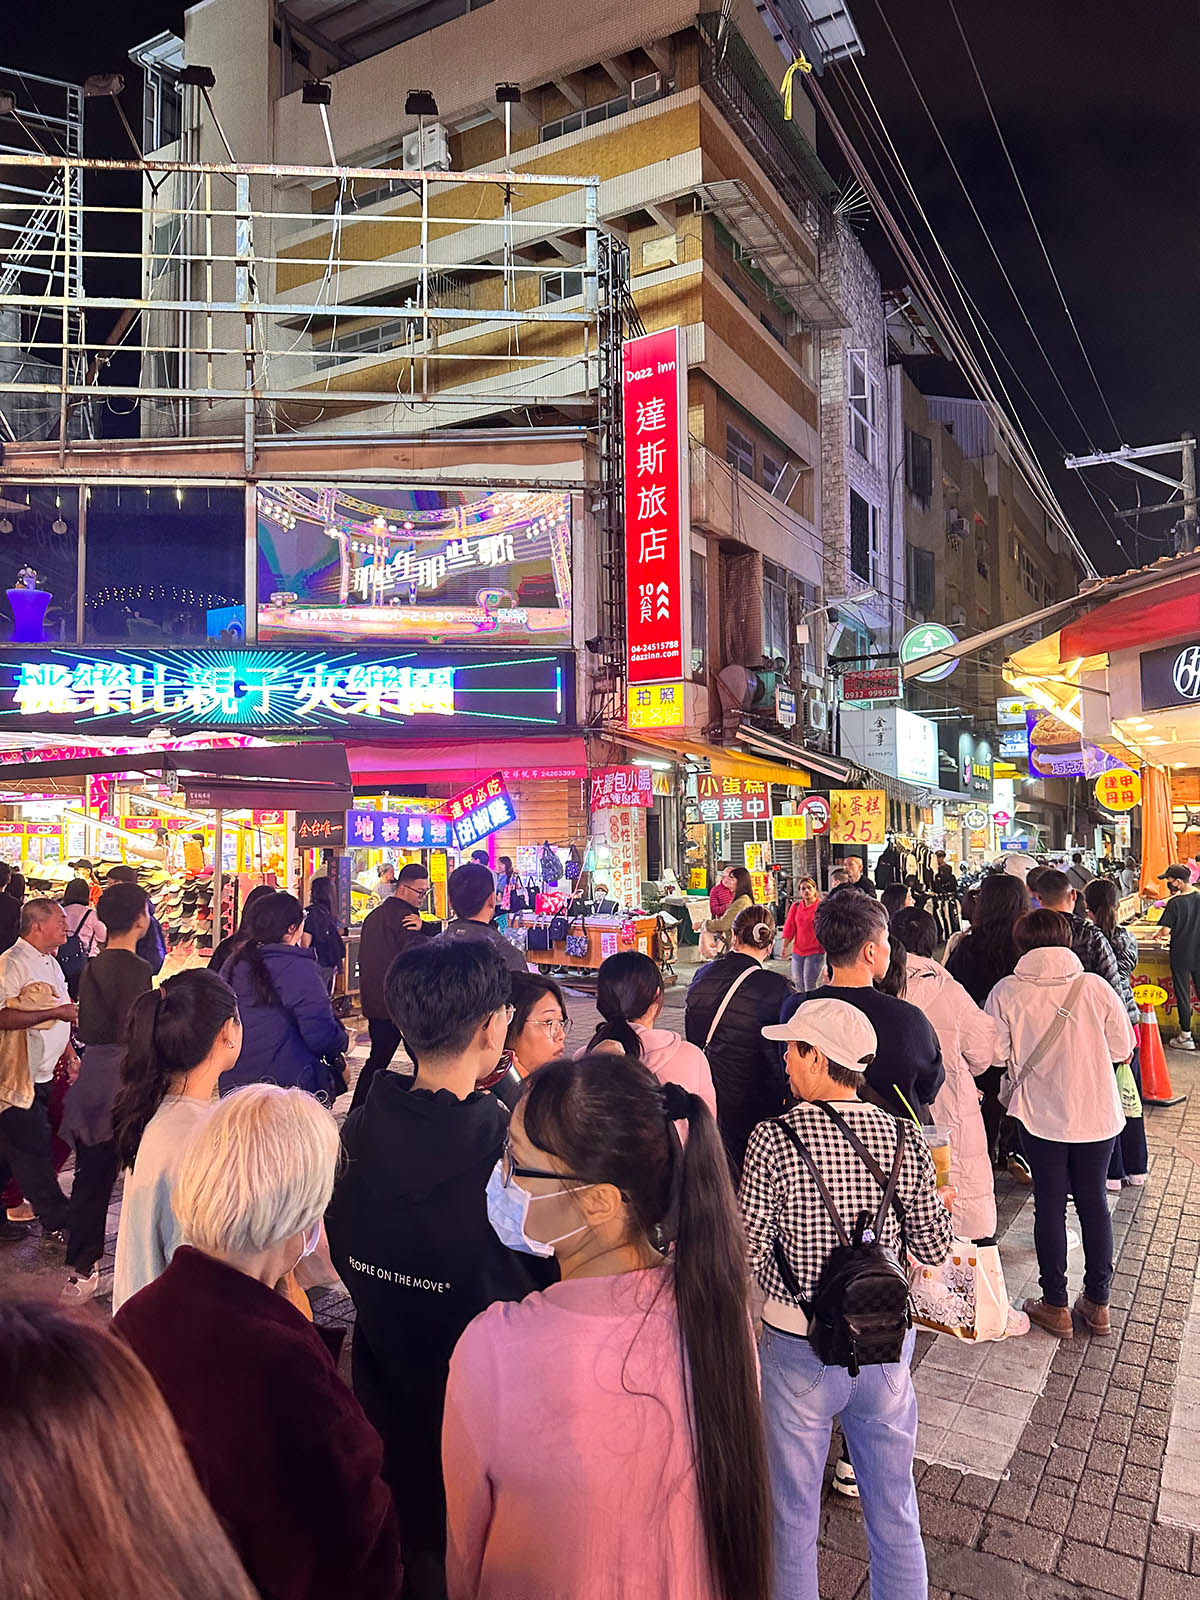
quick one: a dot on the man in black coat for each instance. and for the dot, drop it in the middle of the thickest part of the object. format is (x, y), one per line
(394, 926)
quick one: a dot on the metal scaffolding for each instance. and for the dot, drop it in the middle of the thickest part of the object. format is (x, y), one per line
(274, 301)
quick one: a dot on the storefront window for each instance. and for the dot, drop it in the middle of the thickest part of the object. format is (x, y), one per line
(699, 613)
(39, 529)
(165, 566)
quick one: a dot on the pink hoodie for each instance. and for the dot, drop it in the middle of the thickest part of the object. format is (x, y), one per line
(673, 1060)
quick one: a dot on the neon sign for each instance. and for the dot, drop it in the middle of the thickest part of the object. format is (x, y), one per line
(289, 689)
(481, 810)
(368, 830)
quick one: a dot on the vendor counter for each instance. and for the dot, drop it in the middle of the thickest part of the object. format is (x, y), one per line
(1154, 965)
(605, 936)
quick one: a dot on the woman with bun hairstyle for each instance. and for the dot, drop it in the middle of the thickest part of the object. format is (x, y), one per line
(629, 998)
(181, 1037)
(604, 1436)
(729, 1003)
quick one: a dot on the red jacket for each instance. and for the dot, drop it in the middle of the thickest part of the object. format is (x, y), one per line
(280, 1445)
(798, 927)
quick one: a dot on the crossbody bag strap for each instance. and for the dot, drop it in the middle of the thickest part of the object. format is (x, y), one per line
(827, 1199)
(729, 994)
(886, 1182)
(1054, 1032)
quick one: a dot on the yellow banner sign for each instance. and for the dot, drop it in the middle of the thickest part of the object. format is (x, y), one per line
(858, 816)
(655, 705)
(789, 827)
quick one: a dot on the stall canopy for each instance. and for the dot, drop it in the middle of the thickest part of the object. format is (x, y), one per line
(724, 762)
(296, 777)
(455, 760)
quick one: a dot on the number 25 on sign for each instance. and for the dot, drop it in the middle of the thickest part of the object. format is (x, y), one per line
(858, 816)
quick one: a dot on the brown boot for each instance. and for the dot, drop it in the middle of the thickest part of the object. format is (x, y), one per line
(1055, 1319)
(1094, 1316)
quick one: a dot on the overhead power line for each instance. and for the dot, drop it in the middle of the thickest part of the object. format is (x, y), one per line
(1033, 220)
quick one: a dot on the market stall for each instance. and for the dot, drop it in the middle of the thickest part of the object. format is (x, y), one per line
(584, 942)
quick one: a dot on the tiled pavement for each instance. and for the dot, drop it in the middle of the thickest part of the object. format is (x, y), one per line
(1099, 1494)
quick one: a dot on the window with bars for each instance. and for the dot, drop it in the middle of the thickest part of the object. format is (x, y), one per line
(775, 612)
(739, 451)
(922, 582)
(918, 465)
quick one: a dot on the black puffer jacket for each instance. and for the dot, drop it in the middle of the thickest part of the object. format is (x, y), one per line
(747, 1070)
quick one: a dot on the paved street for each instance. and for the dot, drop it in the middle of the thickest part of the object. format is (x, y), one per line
(1047, 1469)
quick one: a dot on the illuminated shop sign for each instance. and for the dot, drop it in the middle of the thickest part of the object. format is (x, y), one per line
(419, 565)
(480, 810)
(1170, 676)
(654, 388)
(410, 830)
(293, 690)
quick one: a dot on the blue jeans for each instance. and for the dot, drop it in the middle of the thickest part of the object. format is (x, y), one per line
(1080, 1170)
(878, 1412)
(808, 972)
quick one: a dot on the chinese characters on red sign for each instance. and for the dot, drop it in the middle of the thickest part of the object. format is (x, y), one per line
(732, 799)
(654, 387)
(480, 810)
(621, 786)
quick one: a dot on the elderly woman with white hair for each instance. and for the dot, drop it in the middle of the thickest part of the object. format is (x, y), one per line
(279, 1444)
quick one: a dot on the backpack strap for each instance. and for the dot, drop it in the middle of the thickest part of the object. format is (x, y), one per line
(887, 1184)
(822, 1189)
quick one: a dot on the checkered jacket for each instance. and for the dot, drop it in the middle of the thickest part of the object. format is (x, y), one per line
(780, 1200)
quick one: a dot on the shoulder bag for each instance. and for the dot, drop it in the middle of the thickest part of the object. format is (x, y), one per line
(728, 996)
(1045, 1044)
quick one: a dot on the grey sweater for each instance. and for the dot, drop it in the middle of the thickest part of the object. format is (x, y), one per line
(148, 1231)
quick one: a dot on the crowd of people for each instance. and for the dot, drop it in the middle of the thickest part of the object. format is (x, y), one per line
(560, 1263)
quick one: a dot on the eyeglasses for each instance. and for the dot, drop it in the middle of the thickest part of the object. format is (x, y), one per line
(555, 1025)
(510, 1170)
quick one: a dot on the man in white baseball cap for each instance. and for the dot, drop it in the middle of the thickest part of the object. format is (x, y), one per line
(792, 1233)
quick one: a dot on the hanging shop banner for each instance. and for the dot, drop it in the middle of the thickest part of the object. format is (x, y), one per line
(891, 740)
(343, 562)
(815, 809)
(480, 810)
(732, 799)
(857, 816)
(1010, 712)
(1014, 743)
(1119, 790)
(622, 786)
(789, 827)
(408, 830)
(785, 706)
(877, 683)
(268, 819)
(657, 590)
(926, 639)
(657, 705)
(287, 690)
(320, 828)
(1057, 750)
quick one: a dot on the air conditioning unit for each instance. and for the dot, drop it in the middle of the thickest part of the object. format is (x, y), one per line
(645, 88)
(816, 714)
(957, 525)
(428, 151)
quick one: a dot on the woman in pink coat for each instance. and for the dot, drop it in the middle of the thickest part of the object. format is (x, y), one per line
(967, 1036)
(629, 998)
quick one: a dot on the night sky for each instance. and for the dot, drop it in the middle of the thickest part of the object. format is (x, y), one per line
(1099, 105)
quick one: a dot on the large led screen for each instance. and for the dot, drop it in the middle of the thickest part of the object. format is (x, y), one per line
(421, 566)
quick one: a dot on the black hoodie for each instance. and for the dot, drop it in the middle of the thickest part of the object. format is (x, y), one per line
(409, 1234)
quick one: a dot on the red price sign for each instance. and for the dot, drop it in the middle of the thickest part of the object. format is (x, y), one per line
(654, 388)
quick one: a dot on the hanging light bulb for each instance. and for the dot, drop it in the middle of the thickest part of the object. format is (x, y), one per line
(5, 525)
(58, 525)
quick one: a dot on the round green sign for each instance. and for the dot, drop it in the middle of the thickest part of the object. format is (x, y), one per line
(923, 641)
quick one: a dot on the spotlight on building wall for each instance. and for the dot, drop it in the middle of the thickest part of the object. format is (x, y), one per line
(420, 103)
(8, 105)
(508, 94)
(102, 84)
(316, 93)
(198, 78)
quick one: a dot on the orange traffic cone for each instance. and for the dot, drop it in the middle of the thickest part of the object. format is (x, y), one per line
(1156, 1080)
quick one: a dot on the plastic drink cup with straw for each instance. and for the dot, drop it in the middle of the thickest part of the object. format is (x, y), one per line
(938, 1140)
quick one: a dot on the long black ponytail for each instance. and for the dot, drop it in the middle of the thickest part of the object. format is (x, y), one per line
(267, 921)
(611, 1121)
(170, 1030)
(627, 985)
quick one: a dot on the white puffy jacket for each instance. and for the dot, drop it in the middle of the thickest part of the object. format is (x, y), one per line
(967, 1036)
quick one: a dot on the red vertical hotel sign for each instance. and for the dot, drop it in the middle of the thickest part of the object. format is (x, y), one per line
(657, 593)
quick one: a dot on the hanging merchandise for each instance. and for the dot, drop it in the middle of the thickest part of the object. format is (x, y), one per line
(574, 864)
(889, 868)
(552, 867)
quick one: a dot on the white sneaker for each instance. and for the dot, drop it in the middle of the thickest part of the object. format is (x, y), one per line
(21, 1213)
(844, 1480)
(1113, 1184)
(1018, 1323)
(1181, 1041)
(77, 1289)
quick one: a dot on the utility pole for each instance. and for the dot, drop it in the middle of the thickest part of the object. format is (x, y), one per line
(1187, 530)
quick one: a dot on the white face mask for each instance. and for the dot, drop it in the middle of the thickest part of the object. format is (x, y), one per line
(508, 1212)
